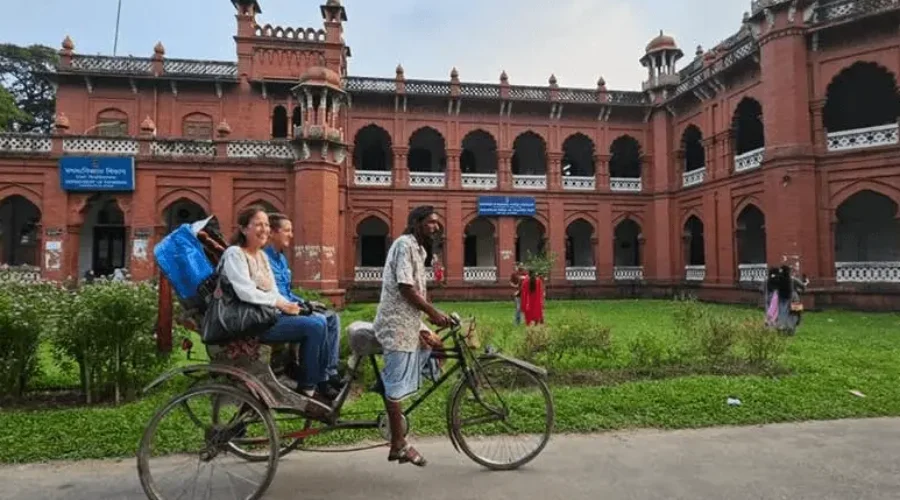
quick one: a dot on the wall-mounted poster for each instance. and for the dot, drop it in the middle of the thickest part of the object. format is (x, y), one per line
(53, 255)
(139, 249)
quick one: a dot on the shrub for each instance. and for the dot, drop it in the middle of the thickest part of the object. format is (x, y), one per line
(536, 343)
(648, 352)
(763, 346)
(20, 334)
(590, 339)
(108, 329)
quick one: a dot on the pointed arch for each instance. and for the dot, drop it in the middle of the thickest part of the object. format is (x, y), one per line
(427, 150)
(258, 197)
(368, 214)
(862, 95)
(619, 218)
(747, 126)
(479, 153)
(529, 154)
(372, 149)
(876, 185)
(626, 158)
(578, 156)
(171, 197)
(19, 190)
(692, 145)
(743, 203)
(587, 216)
(279, 122)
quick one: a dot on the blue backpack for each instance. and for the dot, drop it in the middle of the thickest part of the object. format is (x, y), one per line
(184, 262)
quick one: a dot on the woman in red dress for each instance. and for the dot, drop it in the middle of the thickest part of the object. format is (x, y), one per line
(532, 292)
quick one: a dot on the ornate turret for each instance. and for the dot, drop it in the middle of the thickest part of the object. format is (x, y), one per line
(249, 8)
(321, 95)
(661, 55)
(320, 151)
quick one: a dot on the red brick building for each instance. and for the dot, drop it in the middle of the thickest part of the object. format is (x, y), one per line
(778, 145)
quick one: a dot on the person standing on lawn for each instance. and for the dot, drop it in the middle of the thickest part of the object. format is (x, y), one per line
(515, 280)
(398, 324)
(282, 232)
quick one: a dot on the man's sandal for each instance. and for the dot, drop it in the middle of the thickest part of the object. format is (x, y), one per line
(407, 454)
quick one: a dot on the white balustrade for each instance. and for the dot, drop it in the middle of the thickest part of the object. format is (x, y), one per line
(260, 149)
(20, 274)
(867, 272)
(25, 143)
(695, 273)
(579, 183)
(628, 273)
(101, 146)
(581, 273)
(368, 274)
(529, 181)
(752, 273)
(749, 160)
(427, 179)
(693, 177)
(626, 184)
(182, 148)
(861, 138)
(479, 181)
(480, 274)
(380, 178)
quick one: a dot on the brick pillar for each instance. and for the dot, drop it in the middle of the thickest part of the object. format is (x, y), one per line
(557, 236)
(453, 175)
(603, 173)
(789, 173)
(315, 224)
(453, 242)
(401, 170)
(504, 170)
(554, 172)
(605, 241)
(506, 238)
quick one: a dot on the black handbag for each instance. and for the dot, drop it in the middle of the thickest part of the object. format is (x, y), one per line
(228, 318)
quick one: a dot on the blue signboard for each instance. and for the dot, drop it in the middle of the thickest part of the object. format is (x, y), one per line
(517, 206)
(96, 173)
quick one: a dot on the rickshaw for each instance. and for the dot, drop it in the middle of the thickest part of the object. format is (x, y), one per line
(248, 419)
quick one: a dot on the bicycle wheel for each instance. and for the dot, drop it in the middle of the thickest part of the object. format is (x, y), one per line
(500, 393)
(250, 447)
(171, 442)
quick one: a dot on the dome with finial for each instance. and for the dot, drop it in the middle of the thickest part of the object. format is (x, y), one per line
(68, 44)
(62, 121)
(503, 77)
(601, 83)
(699, 51)
(661, 42)
(159, 50)
(454, 74)
(147, 125)
(399, 69)
(552, 80)
(224, 128)
(320, 75)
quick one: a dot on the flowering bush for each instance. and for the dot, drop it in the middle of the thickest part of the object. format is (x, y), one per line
(108, 329)
(21, 324)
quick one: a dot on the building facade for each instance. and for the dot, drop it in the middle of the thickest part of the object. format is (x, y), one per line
(778, 145)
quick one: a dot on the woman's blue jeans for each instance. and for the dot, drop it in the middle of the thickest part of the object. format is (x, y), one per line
(309, 332)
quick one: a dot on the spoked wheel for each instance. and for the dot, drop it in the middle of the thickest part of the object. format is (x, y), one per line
(252, 447)
(185, 451)
(503, 418)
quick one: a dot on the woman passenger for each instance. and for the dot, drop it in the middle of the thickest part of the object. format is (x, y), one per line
(247, 267)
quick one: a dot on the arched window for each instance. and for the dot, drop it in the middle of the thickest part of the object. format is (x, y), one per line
(197, 126)
(112, 122)
(279, 123)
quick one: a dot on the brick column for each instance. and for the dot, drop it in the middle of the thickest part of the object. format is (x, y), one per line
(453, 176)
(504, 170)
(554, 172)
(401, 170)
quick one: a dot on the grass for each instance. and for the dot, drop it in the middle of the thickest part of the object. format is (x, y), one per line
(834, 352)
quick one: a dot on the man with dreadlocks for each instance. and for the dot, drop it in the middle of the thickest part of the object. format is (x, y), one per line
(398, 324)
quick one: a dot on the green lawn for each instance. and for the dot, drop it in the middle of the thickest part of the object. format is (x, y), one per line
(833, 353)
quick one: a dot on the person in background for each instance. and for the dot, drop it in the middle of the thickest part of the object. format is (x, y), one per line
(398, 325)
(532, 294)
(515, 280)
(246, 266)
(282, 232)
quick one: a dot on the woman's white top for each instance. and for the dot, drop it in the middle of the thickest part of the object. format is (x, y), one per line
(236, 266)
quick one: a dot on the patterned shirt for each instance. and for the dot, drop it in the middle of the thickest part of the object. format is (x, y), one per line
(397, 322)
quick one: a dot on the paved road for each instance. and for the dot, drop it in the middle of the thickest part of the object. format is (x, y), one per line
(850, 459)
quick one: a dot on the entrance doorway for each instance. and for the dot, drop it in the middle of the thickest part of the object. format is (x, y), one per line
(109, 250)
(103, 238)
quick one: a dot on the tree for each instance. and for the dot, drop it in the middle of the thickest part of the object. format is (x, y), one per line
(9, 112)
(23, 74)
